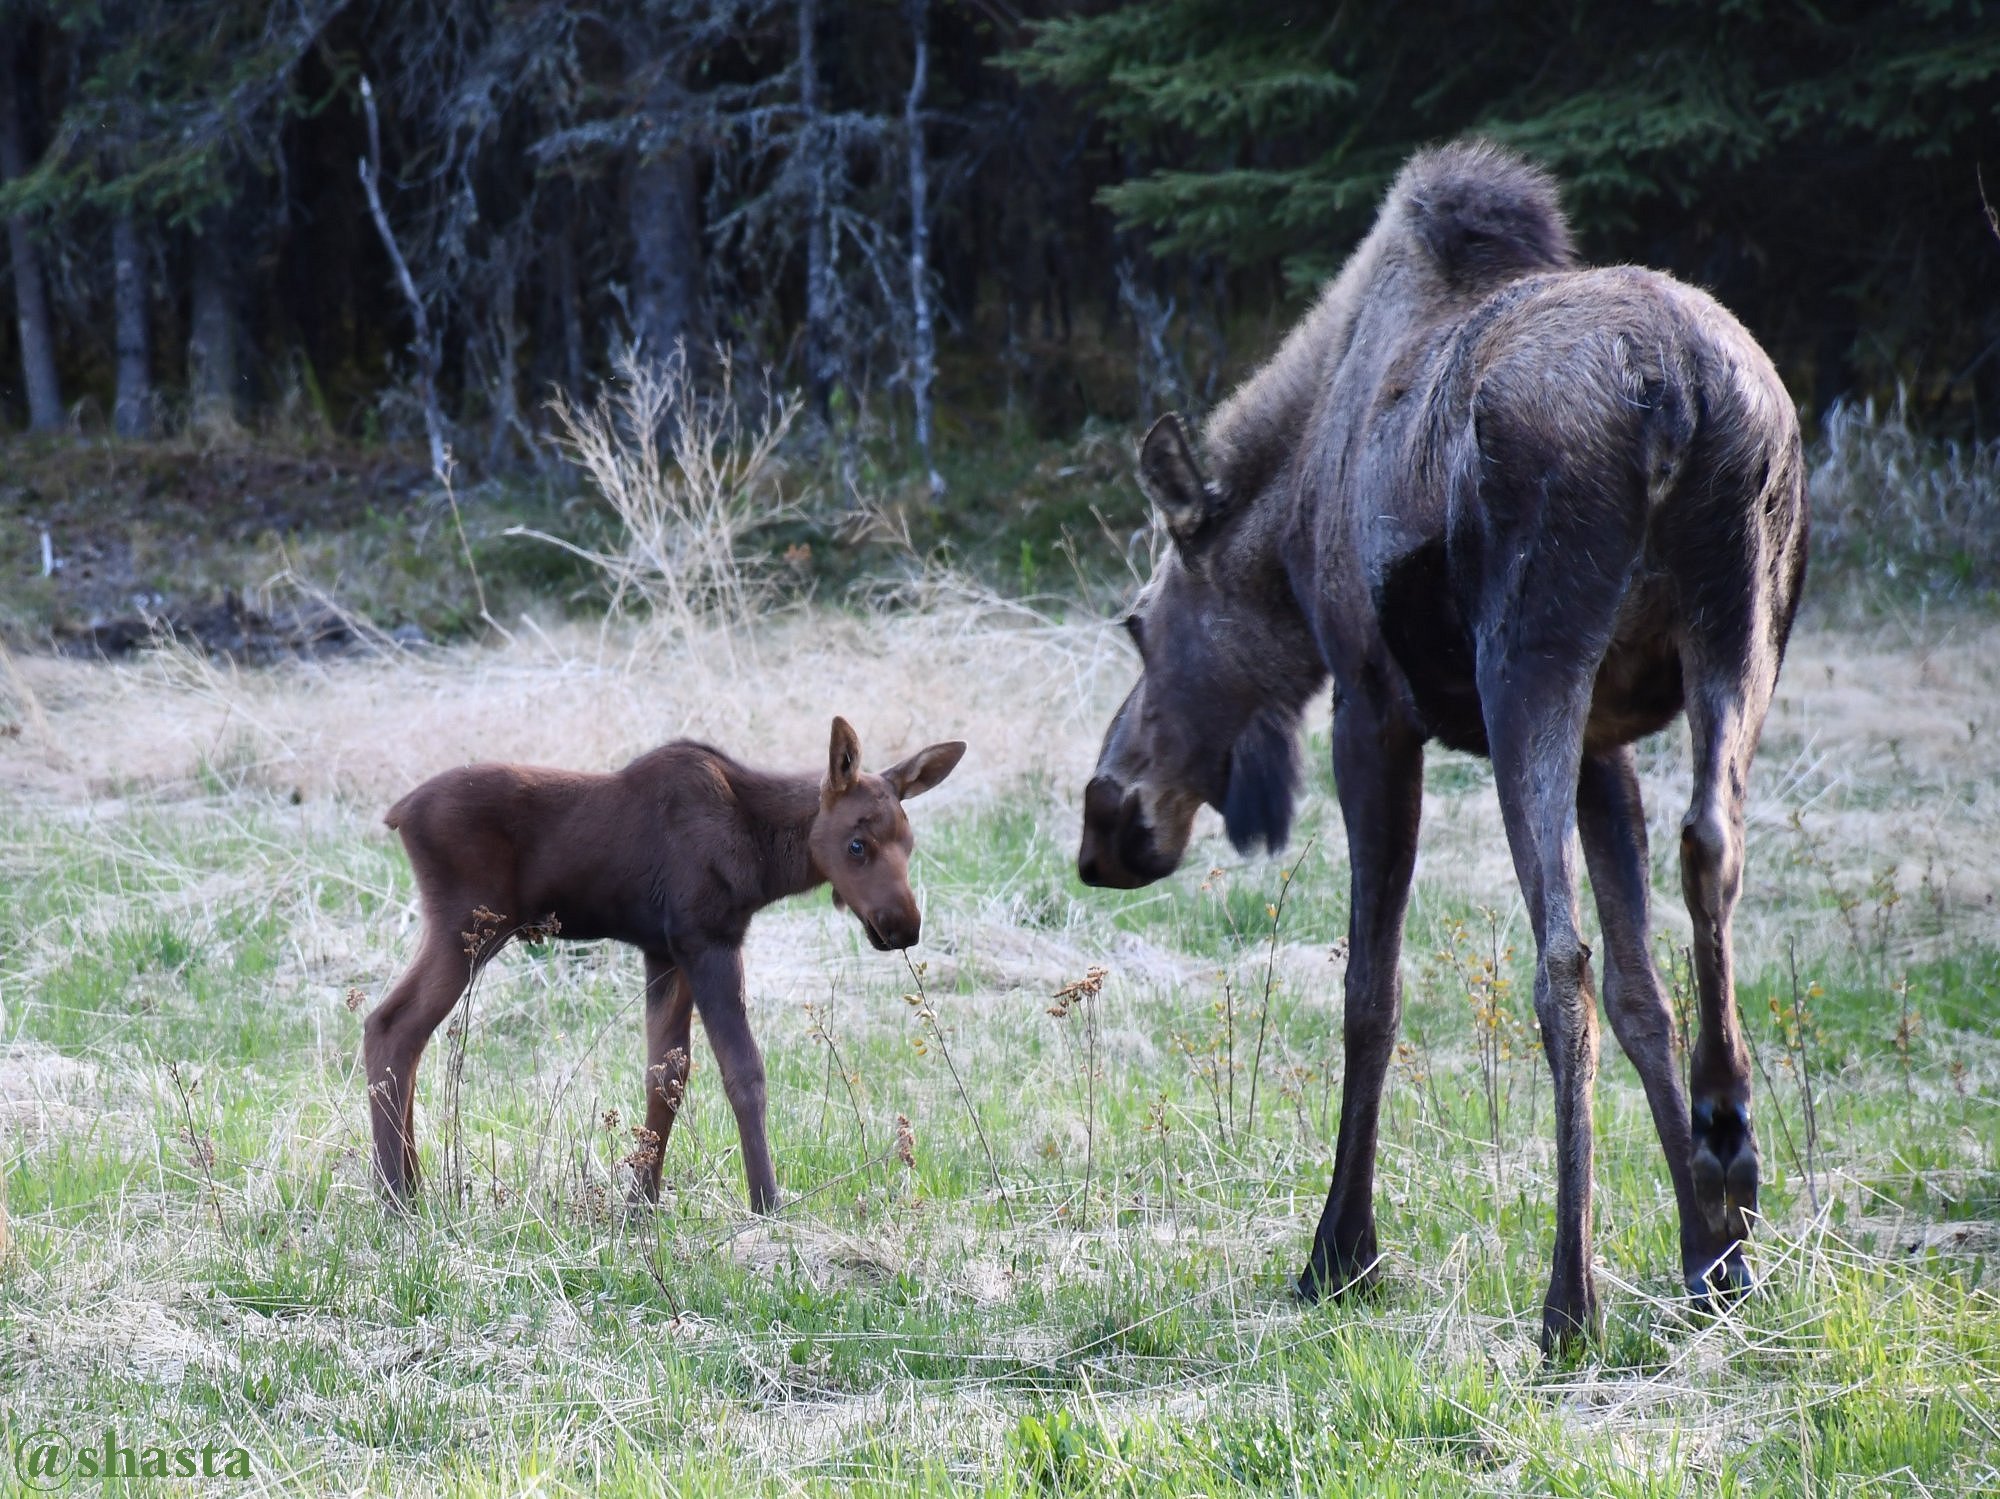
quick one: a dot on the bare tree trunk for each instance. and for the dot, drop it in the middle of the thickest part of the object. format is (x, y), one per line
(31, 303)
(213, 337)
(132, 407)
(424, 345)
(569, 310)
(924, 355)
(504, 339)
(822, 358)
(665, 219)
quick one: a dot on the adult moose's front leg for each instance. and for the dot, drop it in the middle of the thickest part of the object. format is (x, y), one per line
(1378, 765)
(716, 977)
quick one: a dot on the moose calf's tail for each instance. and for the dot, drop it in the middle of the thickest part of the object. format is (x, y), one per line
(397, 815)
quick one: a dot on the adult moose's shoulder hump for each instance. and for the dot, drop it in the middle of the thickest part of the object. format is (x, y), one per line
(1522, 508)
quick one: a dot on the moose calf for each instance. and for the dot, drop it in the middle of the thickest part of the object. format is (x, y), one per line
(673, 854)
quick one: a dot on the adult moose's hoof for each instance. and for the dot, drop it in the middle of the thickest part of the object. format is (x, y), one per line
(1724, 1165)
(1333, 1276)
(1715, 1283)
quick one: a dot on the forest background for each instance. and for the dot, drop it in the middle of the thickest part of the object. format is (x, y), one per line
(972, 234)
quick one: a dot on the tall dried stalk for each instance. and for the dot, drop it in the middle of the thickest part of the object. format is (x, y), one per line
(926, 1014)
(1276, 911)
(690, 472)
(1075, 999)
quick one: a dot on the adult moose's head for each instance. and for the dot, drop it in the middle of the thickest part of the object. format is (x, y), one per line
(861, 841)
(1228, 662)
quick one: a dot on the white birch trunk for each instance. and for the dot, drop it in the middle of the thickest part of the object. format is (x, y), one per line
(923, 358)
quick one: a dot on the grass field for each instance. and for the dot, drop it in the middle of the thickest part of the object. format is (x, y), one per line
(1078, 1279)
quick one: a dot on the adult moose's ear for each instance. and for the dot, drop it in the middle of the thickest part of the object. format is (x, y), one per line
(1171, 475)
(843, 762)
(924, 769)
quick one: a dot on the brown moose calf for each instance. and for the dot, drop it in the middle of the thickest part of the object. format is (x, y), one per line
(673, 854)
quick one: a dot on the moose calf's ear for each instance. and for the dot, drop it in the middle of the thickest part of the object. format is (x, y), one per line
(1172, 478)
(924, 769)
(843, 761)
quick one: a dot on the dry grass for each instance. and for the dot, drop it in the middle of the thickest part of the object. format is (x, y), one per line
(691, 470)
(894, 1325)
(1889, 497)
(1028, 693)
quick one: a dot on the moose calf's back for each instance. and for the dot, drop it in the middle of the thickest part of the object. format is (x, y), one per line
(605, 854)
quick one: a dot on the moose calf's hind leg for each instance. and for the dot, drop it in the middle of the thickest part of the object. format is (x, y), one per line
(669, 1017)
(1536, 733)
(393, 1040)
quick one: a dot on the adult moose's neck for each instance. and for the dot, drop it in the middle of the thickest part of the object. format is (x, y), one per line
(1250, 448)
(1251, 441)
(781, 809)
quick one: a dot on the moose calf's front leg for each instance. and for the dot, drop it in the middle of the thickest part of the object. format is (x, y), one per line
(716, 977)
(1612, 819)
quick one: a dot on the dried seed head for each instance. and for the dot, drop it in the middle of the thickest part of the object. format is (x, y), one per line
(645, 1152)
(906, 1142)
(355, 1000)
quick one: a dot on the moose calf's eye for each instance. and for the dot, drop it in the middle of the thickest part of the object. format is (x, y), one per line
(857, 850)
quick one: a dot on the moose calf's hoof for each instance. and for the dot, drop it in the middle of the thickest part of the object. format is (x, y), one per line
(1724, 1165)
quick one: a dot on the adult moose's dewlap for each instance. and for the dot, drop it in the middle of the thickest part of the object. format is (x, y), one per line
(672, 855)
(1527, 510)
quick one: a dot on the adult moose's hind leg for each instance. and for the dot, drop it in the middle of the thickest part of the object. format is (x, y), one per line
(1535, 703)
(1728, 694)
(393, 1041)
(1612, 821)
(1378, 764)
(669, 1021)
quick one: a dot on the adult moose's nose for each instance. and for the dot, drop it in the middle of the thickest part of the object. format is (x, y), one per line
(1096, 856)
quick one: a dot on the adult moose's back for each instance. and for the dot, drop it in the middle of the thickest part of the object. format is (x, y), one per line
(1527, 510)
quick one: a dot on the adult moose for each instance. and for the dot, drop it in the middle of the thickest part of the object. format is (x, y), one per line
(673, 854)
(1528, 510)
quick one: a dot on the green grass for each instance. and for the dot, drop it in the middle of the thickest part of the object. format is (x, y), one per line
(204, 1260)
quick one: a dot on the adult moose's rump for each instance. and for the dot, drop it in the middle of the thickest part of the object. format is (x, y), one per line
(1524, 509)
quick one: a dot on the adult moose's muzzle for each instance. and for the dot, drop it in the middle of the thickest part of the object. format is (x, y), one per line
(1118, 851)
